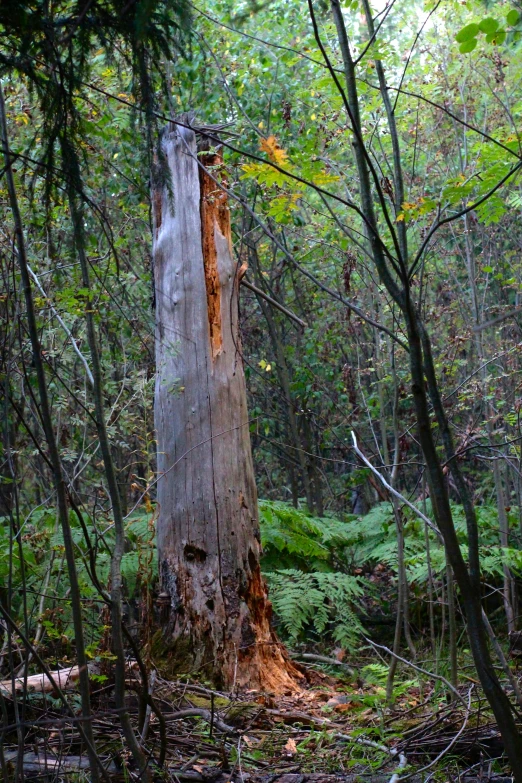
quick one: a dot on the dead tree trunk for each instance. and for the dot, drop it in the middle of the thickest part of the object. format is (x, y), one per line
(208, 530)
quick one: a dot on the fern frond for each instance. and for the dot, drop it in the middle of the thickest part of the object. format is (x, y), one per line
(320, 601)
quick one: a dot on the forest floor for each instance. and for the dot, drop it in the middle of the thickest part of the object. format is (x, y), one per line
(338, 728)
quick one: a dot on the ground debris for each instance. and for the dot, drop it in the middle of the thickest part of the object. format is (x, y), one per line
(326, 732)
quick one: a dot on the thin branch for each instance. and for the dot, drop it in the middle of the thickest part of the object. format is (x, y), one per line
(64, 326)
(391, 489)
(258, 292)
(447, 748)
(497, 320)
(417, 668)
(461, 213)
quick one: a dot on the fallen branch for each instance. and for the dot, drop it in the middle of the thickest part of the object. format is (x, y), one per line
(446, 749)
(196, 712)
(403, 761)
(36, 762)
(300, 717)
(322, 659)
(42, 763)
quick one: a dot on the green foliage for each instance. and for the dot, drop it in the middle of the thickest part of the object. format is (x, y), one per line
(375, 673)
(292, 536)
(302, 564)
(308, 560)
(494, 33)
(286, 111)
(467, 32)
(320, 603)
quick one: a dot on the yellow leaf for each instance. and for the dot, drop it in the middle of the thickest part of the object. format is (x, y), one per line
(273, 150)
(323, 178)
(400, 217)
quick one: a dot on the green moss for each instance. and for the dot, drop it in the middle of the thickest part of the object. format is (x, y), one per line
(172, 658)
(206, 703)
(238, 713)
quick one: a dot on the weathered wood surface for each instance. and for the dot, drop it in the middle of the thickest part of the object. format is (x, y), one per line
(45, 762)
(40, 683)
(208, 531)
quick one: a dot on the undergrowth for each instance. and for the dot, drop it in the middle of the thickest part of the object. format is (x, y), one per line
(321, 571)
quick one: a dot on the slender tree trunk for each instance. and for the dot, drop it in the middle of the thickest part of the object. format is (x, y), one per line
(208, 530)
(503, 524)
(314, 476)
(489, 412)
(283, 373)
(467, 578)
(452, 624)
(116, 593)
(392, 668)
(431, 591)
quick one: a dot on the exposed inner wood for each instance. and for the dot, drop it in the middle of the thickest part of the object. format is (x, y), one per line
(214, 214)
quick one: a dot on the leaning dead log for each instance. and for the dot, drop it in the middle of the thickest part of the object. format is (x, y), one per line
(65, 679)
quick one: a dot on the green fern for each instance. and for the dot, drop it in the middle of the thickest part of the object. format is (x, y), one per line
(375, 673)
(322, 602)
(292, 537)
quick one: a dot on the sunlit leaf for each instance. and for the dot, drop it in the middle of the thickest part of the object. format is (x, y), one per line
(467, 32)
(274, 151)
(468, 46)
(488, 25)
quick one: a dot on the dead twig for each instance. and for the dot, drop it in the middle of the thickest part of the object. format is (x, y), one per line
(446, 749)
(431, 675)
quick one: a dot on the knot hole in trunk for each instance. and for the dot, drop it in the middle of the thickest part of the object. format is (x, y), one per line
(194, 554)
